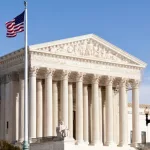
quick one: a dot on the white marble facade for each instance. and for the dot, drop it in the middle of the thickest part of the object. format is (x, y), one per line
(74, 80)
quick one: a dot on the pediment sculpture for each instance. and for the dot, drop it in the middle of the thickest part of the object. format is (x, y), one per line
(88, 48)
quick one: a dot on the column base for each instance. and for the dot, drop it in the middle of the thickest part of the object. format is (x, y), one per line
(96, 143)
(81, 142)
(110, 144)
(86, 142)
(123, 145)
(134, 145)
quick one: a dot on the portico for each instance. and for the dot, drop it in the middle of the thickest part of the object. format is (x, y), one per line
(73, 80)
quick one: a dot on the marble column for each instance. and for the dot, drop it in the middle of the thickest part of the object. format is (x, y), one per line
(100, 115)
(44, 111)
(135, 112)
(61, 91)
(90, 114)
(85, 115)
(32, 102)
(17, 117)
(95, 110)
(55, 107)
(2, 108)
(21, 107)
(65, 97)
(123, 137)
(14, 91)
(109, 112)
(39, 107)
(79, 108)
(70, 109)
(104, 115)
(48, 101)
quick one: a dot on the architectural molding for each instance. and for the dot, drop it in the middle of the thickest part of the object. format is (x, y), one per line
(65, 74)
(88, 46)
(33, 71)
(79, 76)
(95, 78)
(135, 83)
(109, 80)
(49, 72)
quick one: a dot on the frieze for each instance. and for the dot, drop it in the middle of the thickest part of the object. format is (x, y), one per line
(77, 61)
(130, 71)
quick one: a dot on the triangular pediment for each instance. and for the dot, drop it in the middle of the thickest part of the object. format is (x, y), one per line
(90, 47)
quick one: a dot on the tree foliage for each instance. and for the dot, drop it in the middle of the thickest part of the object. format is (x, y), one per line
(7, 146)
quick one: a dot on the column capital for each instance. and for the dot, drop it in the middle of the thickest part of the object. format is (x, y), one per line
(49, 72)
(123, 82)
(109, 80)
(135, 83)
(95, 78)
(33, 71)
(65, 74)
(79, 76)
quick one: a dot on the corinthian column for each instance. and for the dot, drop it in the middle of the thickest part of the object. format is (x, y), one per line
(70, 109)
(55, 107)
(79, 108)
(32, 102)
(21, 106)
(100, 115)
(85, 114)
(135, 112)
(123, 114)
(48, 101)
(65, 97)
(109, 112)
(39, 121)
(95, 110)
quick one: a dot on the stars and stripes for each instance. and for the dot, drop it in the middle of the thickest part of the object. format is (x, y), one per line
(15, 26)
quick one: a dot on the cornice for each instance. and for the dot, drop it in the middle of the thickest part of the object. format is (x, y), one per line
(118, 50)
(11, 62)
(83, 59)
(90, 37)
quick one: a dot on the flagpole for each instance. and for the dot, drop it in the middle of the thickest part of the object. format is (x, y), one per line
(26, 140)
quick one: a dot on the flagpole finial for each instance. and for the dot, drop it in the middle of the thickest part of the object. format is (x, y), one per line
(25, 4)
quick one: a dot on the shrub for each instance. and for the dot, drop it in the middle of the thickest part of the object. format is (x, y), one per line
(7, 146)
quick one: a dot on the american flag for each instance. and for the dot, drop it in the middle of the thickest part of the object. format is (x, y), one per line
(15, 26)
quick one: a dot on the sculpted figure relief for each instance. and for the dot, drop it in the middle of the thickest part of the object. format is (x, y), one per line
(62, 130)
(87, 48)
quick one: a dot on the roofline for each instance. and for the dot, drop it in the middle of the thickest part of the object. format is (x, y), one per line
(95, 37)
(119, 50)
(83, 37)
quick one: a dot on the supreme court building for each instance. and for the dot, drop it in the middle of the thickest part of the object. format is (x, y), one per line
(80, 80)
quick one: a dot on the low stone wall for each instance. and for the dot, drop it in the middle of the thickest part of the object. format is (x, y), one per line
(47, 143)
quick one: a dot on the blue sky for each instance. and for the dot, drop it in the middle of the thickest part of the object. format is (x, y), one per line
(125, 24)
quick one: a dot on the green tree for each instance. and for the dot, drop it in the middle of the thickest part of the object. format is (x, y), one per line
(7, 146)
